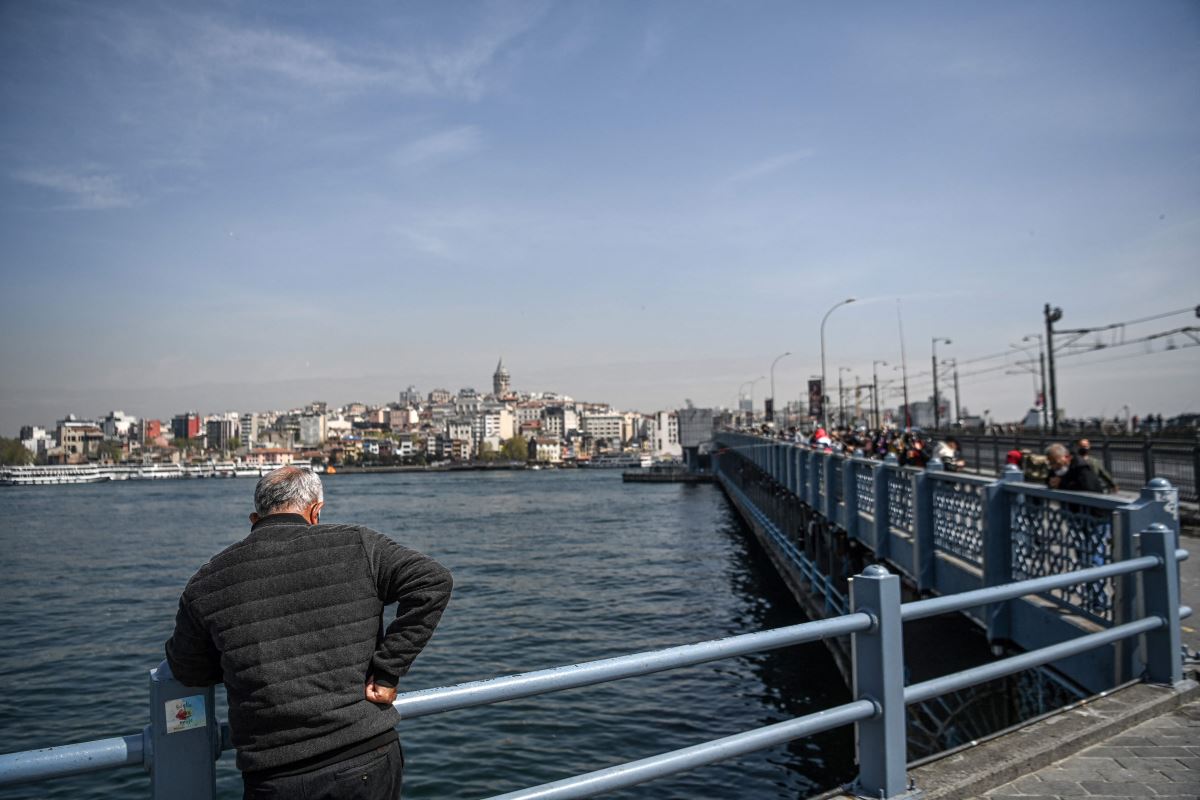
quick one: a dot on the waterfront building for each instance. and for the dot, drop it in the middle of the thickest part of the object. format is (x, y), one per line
(666, 435)
(78, 440)
(185, 426)
(117, 425)
(312, 429)
(549, 450)
(37, 441)
(337, 426)
(249, 426)
(559, 420)
(696, 426)
(220, 433)
(606, 426)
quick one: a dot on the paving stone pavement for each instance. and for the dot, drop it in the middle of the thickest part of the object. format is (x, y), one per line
(1159, 758)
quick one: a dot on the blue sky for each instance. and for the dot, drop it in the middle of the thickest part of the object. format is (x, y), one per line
(234, 206)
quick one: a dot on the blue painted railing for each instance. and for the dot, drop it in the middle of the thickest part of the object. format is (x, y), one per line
(180, 758)
(947, 532)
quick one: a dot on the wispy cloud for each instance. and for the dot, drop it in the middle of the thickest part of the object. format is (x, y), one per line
(769, 166)
(438, 148)
(461, 68)
(88, 189)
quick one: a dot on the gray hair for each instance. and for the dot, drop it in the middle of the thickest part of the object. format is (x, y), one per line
(1056, 451)
(285, 489)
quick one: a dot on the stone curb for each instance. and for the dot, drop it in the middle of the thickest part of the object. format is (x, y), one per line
(980, 768)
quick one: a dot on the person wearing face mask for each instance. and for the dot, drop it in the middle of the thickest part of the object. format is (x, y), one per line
(1082, 448)
(1069, 473)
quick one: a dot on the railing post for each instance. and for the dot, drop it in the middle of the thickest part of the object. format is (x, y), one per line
(829, 499)
(1157, 502)
(880, 742)
(997, 549)
(850, 497)
(185, 739)
(922, 532)
(811, 470)
(1147, 458)
(1160, 598)
(883, 519)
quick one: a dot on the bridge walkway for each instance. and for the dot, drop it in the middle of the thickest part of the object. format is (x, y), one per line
(1158, 758)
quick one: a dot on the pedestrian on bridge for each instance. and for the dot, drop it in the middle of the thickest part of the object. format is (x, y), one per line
(1070, 473)
(1082, 448)
(290, 620)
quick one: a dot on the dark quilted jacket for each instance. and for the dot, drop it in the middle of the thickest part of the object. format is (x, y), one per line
(289, 619)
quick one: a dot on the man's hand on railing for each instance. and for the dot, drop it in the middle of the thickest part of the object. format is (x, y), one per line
(379, 694)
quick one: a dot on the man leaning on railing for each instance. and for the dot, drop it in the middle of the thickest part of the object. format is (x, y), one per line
(288, 619)
(1069, 473)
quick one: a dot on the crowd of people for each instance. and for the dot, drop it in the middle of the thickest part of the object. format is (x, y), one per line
(1059, 467)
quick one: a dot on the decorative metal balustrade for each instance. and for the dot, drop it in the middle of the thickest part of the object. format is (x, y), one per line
(948, 532)
(1050, 535)
(900, 502)
(864, 486)
(958, 507)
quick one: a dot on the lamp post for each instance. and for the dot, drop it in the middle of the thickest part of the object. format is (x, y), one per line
(756, 380)
(953, 364)
(1052, 315)
(841, 398)
(875, 390)
(937, 417)
(771, 416)
(824, 391)
(1042, 365)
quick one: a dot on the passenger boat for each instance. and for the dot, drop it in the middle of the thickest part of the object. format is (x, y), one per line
(53, 474)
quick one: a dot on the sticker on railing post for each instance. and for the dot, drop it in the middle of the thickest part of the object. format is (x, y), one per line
(185, 713)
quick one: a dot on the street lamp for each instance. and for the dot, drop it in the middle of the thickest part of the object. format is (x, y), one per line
(771, 416)
(875, 391)
(841, 398)
(824, 392)
(742, 392)
(953, 364)
(936, 405)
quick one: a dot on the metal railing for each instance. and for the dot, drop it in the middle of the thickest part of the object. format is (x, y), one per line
(184, 738)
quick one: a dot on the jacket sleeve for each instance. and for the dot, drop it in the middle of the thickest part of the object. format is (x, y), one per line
(191, 654)
(421, 588)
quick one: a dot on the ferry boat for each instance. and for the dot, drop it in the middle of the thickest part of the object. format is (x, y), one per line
(615, 461)
(55, 474)
(49, 475)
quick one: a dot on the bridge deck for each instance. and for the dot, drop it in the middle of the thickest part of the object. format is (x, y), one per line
(1159, 758)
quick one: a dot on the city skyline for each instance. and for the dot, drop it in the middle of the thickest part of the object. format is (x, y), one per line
(229, 208)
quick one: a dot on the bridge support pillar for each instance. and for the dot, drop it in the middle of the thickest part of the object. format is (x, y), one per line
(880, 742)
(184, 740)
(1160, 598)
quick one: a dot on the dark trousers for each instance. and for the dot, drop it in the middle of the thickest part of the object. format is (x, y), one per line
(374, 775)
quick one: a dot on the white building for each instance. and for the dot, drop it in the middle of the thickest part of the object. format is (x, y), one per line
(249, 427)
(666, 434)
(559, 420)
(606, 425)
(117, 425)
